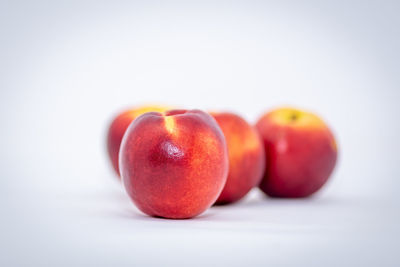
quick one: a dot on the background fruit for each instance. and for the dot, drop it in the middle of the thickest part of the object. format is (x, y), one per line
(246, 157)
(174, 165)
(301, 152)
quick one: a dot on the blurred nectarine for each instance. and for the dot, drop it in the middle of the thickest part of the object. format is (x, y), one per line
(246, 157)
(301, 152)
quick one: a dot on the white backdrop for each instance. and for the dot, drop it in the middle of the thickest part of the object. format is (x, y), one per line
(67, 68)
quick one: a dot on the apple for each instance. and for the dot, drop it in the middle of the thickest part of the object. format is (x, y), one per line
(174, 164)
(246, 157)
(118, 127)
(301, 152)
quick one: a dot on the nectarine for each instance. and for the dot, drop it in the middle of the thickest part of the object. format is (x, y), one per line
(301, 152)
(246, 157)
(174, 164)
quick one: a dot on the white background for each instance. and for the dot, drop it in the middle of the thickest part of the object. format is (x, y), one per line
(67, 68)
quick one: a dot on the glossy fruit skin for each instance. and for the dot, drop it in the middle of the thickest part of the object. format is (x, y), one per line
(300, 159)
(246, 157)
(174, 165)
(118, 127)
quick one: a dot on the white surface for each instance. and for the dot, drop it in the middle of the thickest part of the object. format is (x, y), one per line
(101, 227)
(67, 67)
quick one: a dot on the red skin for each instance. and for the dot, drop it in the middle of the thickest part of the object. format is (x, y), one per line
(174, 170)
(246, 157)
(300, 159)
(118, 127)
(115, 134)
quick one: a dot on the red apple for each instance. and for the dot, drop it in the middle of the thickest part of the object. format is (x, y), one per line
(174, 165)
(118, 127)
(246, 157)
(301, 152)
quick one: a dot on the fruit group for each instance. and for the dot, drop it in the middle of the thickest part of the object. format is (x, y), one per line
(175, 164)
(246, 157)
(301, 152)
(118, 127)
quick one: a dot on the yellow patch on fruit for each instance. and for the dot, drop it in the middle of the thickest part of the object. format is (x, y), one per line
(169, 123)
(295, 117)
(252, 142)
(249, 143)
(238, 145)
(144, 109)
(334, 145)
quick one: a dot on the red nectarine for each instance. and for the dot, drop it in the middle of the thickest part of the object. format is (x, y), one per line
(246, 157)
(175, 164)
(301, 152)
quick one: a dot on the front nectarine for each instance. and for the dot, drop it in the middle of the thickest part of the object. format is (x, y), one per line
(174, 164)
